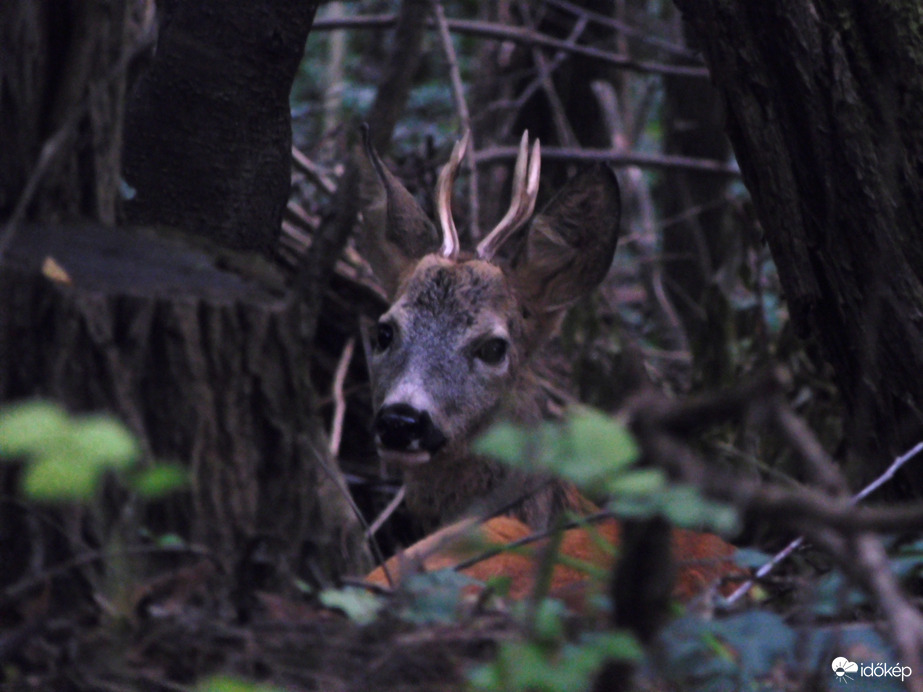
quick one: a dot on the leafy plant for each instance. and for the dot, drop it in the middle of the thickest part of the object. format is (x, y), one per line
(597, 454)
(547, 661)
(67, 456)
(227, 683)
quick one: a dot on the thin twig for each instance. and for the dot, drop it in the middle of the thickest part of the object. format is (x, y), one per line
(614, 157)
(337, 478)
(889, 472)
(640, 35)
(537, 83)
(464, 114)
(339, 408)
(562, 125)
(387, 512)
(312, 171)
(522, 36)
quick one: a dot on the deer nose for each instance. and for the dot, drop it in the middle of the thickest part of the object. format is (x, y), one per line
(401, 427)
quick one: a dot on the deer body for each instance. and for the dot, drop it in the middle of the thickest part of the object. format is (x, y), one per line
(456, 350)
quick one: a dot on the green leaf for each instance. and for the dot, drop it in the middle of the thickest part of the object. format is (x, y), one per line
(548, 625)
(601, 441)
(170, 540)
(226, 683)
(61, 478)
(29, 427)
(587, 449)
(504, 442)
(106, 440)
(160, 480)
(435, 596)
(639, 482)
(359, 605)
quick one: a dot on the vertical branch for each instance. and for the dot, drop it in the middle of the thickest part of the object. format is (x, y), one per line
(464, 115)
(336, 52)
(394, 87)
(561, 123)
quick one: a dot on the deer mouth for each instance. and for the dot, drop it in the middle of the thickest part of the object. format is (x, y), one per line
(406, 435)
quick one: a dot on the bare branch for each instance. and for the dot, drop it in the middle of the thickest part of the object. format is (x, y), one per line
(464, 115)
(339, 408)
(640, 35)
(312, 171)
(387, 512)
(615, 158)
(521, 36)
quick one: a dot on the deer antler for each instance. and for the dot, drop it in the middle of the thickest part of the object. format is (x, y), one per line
(449, 247)
(522, 204)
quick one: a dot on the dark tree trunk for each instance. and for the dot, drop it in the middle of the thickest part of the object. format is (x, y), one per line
(195, 347)
(208, 131)
(205, 363)
(825, 112)
(62, 84)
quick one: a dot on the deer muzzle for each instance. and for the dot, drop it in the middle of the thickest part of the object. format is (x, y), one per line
(406, 434)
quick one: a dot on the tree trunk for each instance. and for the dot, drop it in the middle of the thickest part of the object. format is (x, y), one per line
(207, 364)
(825, 112)
(208, 132)
(62, 85)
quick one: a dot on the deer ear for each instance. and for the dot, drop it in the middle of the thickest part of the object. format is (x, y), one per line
(394, 230)
(569, 246)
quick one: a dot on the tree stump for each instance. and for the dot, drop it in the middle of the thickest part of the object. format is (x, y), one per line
(203, 361)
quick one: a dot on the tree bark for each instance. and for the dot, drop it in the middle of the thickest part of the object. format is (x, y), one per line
(197, 351)
(825, 113)
(208, 133)
(63, 72)
(204, 363)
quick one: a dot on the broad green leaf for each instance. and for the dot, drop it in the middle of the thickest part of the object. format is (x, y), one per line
(170, 540)
(638, 482)
(106, 440)
(160, 480)
(29, 427)
(587, 449)
(599, 440)
(61, 478)
(226, 683)
(505, 442)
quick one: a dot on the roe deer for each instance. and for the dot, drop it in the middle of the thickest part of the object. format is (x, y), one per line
(456, 351)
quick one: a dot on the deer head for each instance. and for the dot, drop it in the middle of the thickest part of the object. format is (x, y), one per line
(453, 351)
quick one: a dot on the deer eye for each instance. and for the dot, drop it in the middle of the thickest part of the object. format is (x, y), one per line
(384, 335)
(492, 351)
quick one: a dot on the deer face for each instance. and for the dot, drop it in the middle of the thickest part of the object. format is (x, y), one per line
(452, 350)
(443, 357)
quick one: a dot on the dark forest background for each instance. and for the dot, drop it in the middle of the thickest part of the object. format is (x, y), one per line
(177, 199)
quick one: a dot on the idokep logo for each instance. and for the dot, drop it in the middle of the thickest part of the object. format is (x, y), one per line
(842, 667)
(846, 671)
